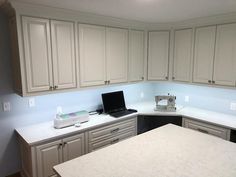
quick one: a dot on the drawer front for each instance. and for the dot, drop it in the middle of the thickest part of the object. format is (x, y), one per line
(101, 144)
(206, 128)
(111, 130)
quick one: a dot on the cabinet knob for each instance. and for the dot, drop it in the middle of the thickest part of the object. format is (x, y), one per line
(105, 82)
(213, 82)
(167, 77)
(108, 82)
(209, 81)
(64, 144)
(142, 78)
(173, 78)
(51, 88)
(55, 87)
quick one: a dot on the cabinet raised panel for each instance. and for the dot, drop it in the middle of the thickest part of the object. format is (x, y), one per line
(225, 55)
(92, 55)
(48, 155)
(158, 55)
(182, 55)
(73, 147)
(63, 50)
(204, 54)
(37, 50)
(136, 55)
(117, 54)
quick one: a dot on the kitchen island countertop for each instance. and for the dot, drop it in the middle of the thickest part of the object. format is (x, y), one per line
(168, 151)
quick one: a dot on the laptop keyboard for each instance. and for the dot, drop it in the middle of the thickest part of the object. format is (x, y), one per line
(122, 113)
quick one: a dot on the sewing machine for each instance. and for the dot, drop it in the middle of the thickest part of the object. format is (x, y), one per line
(165, 103)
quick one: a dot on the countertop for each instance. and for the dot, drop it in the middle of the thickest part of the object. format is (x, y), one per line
(38, 133)
(179, 152)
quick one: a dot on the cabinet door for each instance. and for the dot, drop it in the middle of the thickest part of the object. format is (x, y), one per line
(158, 55)
(92, 55)
(182, 55)
(48, 155)
(73, 147)
(136, 55)
(63, 52)
(37, 48)
(117, 54)
(204, 54)
(225, 55)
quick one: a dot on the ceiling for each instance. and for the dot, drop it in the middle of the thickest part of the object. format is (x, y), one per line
(157, 11)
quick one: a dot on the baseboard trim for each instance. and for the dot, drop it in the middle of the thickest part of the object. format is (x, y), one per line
(15, 175)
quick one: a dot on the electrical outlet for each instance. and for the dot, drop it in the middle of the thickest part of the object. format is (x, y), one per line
(31, 102)
(141, 95)
(6, 106)
(186, 98)
(59, 110)
(233, 106)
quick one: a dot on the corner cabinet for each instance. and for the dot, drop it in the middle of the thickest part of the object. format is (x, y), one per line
(107, 50)
(158, 55)
(204, 54)
(182, 55)
(47, 55)
(136, 55)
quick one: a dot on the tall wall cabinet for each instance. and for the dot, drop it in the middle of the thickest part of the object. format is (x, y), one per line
(103, 55)
(214, 58)
(158, 55)
(48, 57)
(182, 55)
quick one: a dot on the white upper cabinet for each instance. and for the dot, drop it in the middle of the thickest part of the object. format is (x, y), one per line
(49, 55)
(136, 55)
(63, 52)
(225, 55)
(117, 55)
(37, 51)
(92, 55)
(158, 55)
(204, 54)
(182, 55)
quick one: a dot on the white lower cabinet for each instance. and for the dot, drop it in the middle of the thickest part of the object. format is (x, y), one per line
(38, 161)
(207, 128)
(107, 135)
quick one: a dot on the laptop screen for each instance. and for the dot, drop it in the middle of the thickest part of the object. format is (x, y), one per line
(113, 101)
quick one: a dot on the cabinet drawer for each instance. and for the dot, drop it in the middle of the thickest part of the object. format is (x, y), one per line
(206, 128)
(100, 144)
(111, 130)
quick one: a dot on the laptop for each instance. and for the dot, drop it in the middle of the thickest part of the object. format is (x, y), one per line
(114, 104)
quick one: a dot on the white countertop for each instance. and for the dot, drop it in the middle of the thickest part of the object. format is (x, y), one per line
(42, 132)
(168, 151)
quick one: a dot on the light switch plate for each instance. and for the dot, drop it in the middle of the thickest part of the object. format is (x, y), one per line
(6, 106)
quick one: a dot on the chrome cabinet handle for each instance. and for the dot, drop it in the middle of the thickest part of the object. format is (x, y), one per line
(59, 146)
(115, 141)
(115, 130)
(203, 131)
